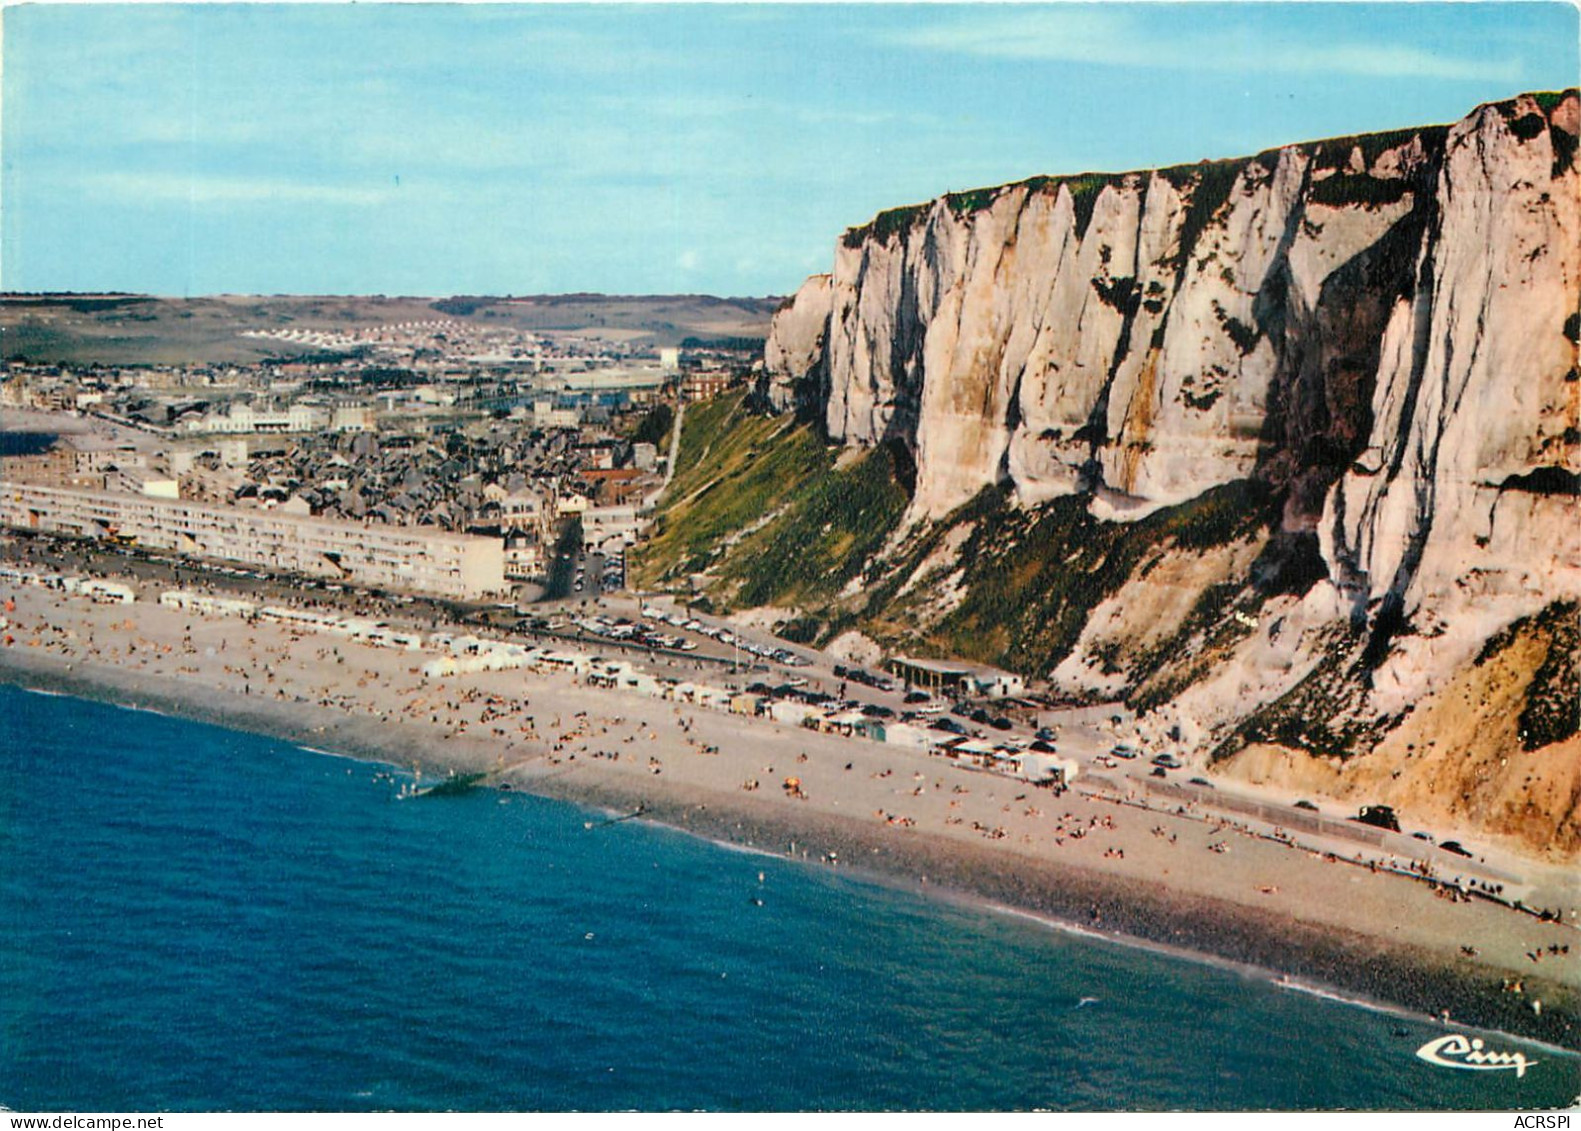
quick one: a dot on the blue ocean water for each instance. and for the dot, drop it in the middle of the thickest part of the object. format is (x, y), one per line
(193, 918)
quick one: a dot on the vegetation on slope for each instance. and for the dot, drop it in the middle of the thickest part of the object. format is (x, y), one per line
(768, 509)
(733, 469)
(1551, 704)
(822, 540)
(1319, 714)
(1027, 581)
(763, 507)
(654, 428)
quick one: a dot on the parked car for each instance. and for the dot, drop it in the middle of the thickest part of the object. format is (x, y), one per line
(1379, 816)
(1168, 762)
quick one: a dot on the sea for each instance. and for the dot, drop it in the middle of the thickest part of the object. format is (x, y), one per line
(194, 918)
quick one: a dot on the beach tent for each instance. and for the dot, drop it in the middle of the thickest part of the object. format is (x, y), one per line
(1045, 768)
(977, 750)
(640, 682)
(843, 722)
(795, 712)
(574, 662)
(110, 591)
(906, 735)
(746, 704)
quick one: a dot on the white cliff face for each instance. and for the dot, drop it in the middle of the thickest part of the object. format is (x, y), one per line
(1024, 342)
(793, 354)
(1464, 500)
(1079, 334)
(1382, 328)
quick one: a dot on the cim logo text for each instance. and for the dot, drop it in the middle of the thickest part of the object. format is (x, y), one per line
(1457, 1051)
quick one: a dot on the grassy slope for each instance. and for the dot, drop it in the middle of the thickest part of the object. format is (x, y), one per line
(732, 469)
(759, 502)
(824, 539)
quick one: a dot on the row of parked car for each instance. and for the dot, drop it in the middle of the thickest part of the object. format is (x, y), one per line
(725, 637)
(865, 678)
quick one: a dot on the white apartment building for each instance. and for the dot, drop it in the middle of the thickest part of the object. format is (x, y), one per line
(246, 419)
(422, 561)
(545, 415)
(351, 418)
(243, 417)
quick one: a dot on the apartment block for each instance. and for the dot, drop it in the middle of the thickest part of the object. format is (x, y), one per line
(422, 561)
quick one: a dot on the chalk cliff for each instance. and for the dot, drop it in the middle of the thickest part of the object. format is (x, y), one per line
(793, 354)
(1382, 330)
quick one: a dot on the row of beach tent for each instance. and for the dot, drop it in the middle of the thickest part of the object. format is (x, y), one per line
(110, 592)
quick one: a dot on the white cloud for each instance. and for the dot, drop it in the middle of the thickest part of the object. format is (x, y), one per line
(1087, 34)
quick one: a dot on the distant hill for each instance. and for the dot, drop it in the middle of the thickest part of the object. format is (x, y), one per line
(123, 329)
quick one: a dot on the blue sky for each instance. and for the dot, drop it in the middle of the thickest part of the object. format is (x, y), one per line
(414, 149)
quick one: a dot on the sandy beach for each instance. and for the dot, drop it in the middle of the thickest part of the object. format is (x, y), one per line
(1103, 856)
